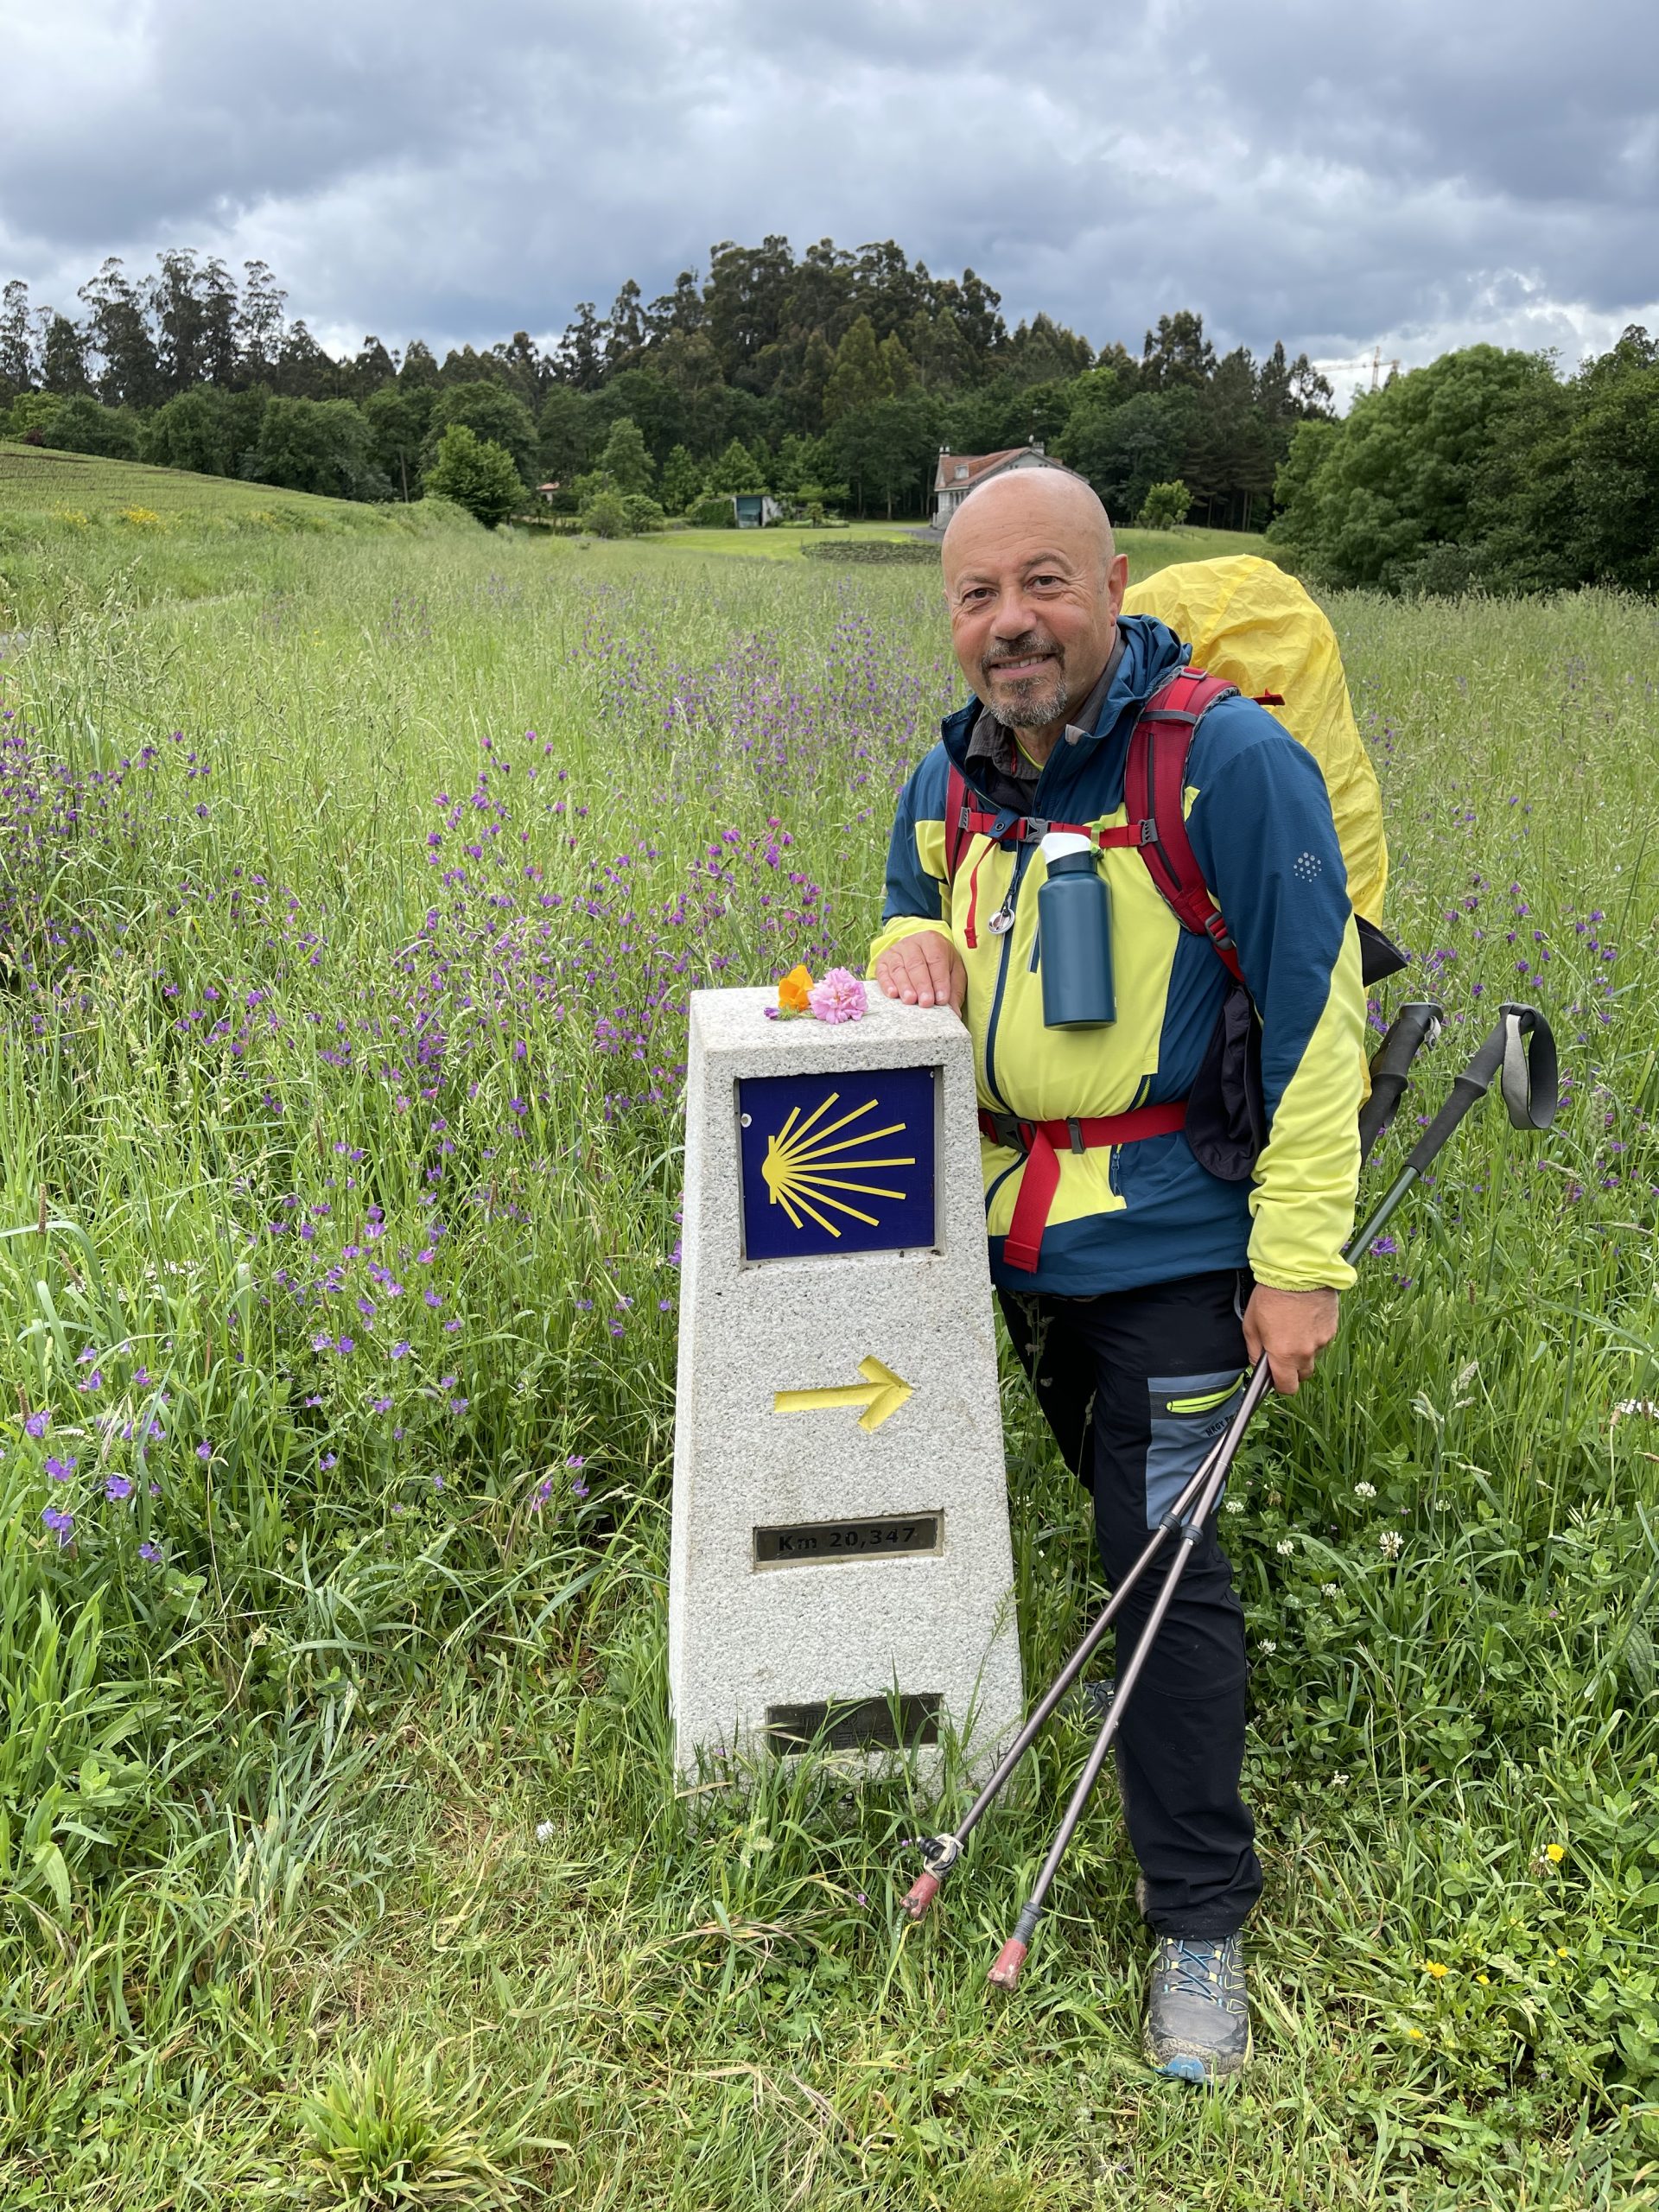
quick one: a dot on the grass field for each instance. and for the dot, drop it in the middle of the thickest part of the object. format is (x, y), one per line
(1146, 548)
(353, 882)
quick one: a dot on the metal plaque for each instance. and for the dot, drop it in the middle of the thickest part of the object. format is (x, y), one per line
(817, 1542)
(864, 1725)
(837, 1163)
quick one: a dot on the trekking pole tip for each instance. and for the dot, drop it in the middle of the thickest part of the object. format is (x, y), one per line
(920, 1894)
(1005, 1974)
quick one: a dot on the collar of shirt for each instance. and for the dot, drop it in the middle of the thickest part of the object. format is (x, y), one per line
(994, 742)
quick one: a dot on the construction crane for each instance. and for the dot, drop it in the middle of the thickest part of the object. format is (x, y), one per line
(1373, 361)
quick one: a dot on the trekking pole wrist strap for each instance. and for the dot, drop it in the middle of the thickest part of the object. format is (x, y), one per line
(1521, 1053)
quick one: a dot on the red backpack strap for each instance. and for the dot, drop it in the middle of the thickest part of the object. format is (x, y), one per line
(1154, 790)
(955, 825)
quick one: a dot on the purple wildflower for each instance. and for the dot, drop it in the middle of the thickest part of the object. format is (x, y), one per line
(116, 1487)
(58, 1470)
(62, 1524)
(35, 1425)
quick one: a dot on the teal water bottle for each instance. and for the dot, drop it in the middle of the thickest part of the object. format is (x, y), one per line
(1074, 933)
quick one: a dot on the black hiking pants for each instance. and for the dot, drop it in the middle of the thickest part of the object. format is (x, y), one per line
(1136, 1385)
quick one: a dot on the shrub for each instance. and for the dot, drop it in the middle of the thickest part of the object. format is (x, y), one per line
(1165, 506)
(81, 425)
(606, 514)
(712, 511)
(32, 411)
(476, 473)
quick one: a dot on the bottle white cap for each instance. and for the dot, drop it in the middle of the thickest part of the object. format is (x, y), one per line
(1060, 844)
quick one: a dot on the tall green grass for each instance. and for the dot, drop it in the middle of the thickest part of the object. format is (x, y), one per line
(340, 1855)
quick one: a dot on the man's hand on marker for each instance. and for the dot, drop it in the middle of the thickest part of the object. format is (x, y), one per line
(1290, 1328)
(924, 969)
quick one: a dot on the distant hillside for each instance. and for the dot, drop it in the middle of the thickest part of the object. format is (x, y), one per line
(37, 480)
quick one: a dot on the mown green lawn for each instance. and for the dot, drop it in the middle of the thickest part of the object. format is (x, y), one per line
(353, 884)
(1147, 548)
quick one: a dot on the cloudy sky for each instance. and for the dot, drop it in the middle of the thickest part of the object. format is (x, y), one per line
(1408, 175)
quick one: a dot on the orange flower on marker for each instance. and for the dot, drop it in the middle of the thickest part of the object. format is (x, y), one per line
(793, 991)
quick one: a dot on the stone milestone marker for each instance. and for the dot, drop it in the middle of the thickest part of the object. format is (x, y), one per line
(841, 1516)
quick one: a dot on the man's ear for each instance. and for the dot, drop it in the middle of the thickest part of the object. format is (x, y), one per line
(1117, 583)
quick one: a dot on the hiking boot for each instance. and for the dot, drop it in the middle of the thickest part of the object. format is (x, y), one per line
(1197, 2020)
(1094, 1701)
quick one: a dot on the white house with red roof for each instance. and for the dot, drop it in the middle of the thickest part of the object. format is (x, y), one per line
(958, 473)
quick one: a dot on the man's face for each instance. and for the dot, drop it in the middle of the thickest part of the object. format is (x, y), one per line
(1034, 606)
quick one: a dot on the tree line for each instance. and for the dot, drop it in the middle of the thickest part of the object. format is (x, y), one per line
(832, 377)
(1485, 471)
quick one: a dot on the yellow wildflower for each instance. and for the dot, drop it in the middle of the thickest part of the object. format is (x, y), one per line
(1555, 1852)
(791, 992)
(1485, 1979)
(1433, 1967)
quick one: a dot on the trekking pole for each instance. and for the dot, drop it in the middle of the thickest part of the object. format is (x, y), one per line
(1416, 1025)
(1521, 1050)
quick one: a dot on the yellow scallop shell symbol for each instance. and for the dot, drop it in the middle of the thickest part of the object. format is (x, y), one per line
(807, 1164)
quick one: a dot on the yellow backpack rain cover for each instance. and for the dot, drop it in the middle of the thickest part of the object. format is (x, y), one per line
(1250, 624)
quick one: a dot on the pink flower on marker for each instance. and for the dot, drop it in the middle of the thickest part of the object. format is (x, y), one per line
(839, 997)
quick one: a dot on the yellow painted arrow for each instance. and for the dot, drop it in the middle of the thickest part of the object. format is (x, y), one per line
(881, 1393)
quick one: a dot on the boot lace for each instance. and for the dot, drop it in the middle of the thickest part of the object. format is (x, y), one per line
(1210, 1971)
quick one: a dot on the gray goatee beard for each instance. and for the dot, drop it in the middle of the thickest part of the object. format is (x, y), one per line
(1037, 701)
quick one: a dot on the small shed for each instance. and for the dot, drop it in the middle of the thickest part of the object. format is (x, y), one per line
(755, 510)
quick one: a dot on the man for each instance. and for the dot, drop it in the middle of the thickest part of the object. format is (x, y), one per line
(1149, 1284)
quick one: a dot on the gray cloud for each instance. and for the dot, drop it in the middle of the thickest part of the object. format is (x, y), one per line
(1417, 176)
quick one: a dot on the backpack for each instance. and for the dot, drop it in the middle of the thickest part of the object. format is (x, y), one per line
(1252, 629)
(1256, 628)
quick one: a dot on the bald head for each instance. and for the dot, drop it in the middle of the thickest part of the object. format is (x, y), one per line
(1050, 501)
(1034, 581)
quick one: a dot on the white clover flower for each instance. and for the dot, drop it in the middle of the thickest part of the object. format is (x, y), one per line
(1330, 1590)
(1267, 1644)
(1284, 1547)
(1235, 1505)
(1390, 1543)
(1365, 1490)
(544, 1831)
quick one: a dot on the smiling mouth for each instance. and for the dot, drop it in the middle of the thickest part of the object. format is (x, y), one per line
(1025, 667)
